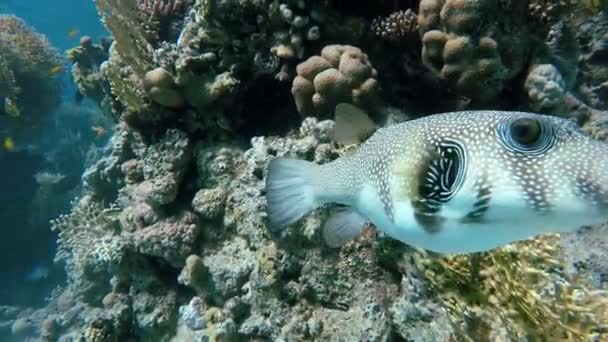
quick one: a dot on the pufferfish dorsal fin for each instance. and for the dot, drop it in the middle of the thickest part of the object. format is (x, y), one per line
(352, 125)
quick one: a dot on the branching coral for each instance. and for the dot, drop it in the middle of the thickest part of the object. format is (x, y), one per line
(82, 231)
(397, 27)
(299, 28)
(159, 15)
(160, 7)
(517, 290)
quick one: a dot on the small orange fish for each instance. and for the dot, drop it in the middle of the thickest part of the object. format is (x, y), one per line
(73, 33)
(56, 70)
(8, 144)
(99, 131)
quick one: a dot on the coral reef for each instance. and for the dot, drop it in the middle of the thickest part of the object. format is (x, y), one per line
(223, 50)
(169, 239)
(477, 56)
(482, 59)
(86, 60)
(545, 86)
(29, 66)
(247, 284)
(517, 292)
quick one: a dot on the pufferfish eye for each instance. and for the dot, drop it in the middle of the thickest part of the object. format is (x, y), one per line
(529, 135)
(526, 131)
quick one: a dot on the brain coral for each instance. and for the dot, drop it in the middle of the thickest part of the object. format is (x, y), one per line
(476, 54)
(342, 73)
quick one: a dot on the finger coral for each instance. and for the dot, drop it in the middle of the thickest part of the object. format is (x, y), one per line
(342, 73)
(475, 55)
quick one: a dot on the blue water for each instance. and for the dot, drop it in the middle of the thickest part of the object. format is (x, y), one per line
(55, 18)
(27, 272)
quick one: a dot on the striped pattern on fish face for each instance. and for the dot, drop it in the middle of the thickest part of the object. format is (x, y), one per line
(474, 170)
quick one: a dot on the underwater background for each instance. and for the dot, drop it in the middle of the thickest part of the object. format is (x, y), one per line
(28, 250)
(136, 137)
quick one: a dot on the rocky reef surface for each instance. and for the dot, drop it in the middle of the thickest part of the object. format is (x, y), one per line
(169, 240)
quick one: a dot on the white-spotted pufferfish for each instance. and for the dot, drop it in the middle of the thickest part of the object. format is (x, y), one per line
(454, 182)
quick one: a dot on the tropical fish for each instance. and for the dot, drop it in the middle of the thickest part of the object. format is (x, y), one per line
(453, 183)
(55, 70)
(73, 33)
(99, 131)
(10, 108)
(8, 144)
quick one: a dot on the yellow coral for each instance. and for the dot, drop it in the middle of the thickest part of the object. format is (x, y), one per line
(519, 287)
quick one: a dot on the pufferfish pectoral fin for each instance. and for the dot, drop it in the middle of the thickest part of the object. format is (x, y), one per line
(343, 226)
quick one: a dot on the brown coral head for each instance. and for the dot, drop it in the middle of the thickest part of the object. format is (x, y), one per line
(342, 73)
(312, 66)
(355, 66)
(161, 88)
(302, 91)
(428, 14)
(433, 43)
(158, 77)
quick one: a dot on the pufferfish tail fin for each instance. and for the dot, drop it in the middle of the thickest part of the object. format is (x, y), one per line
(290, 190)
